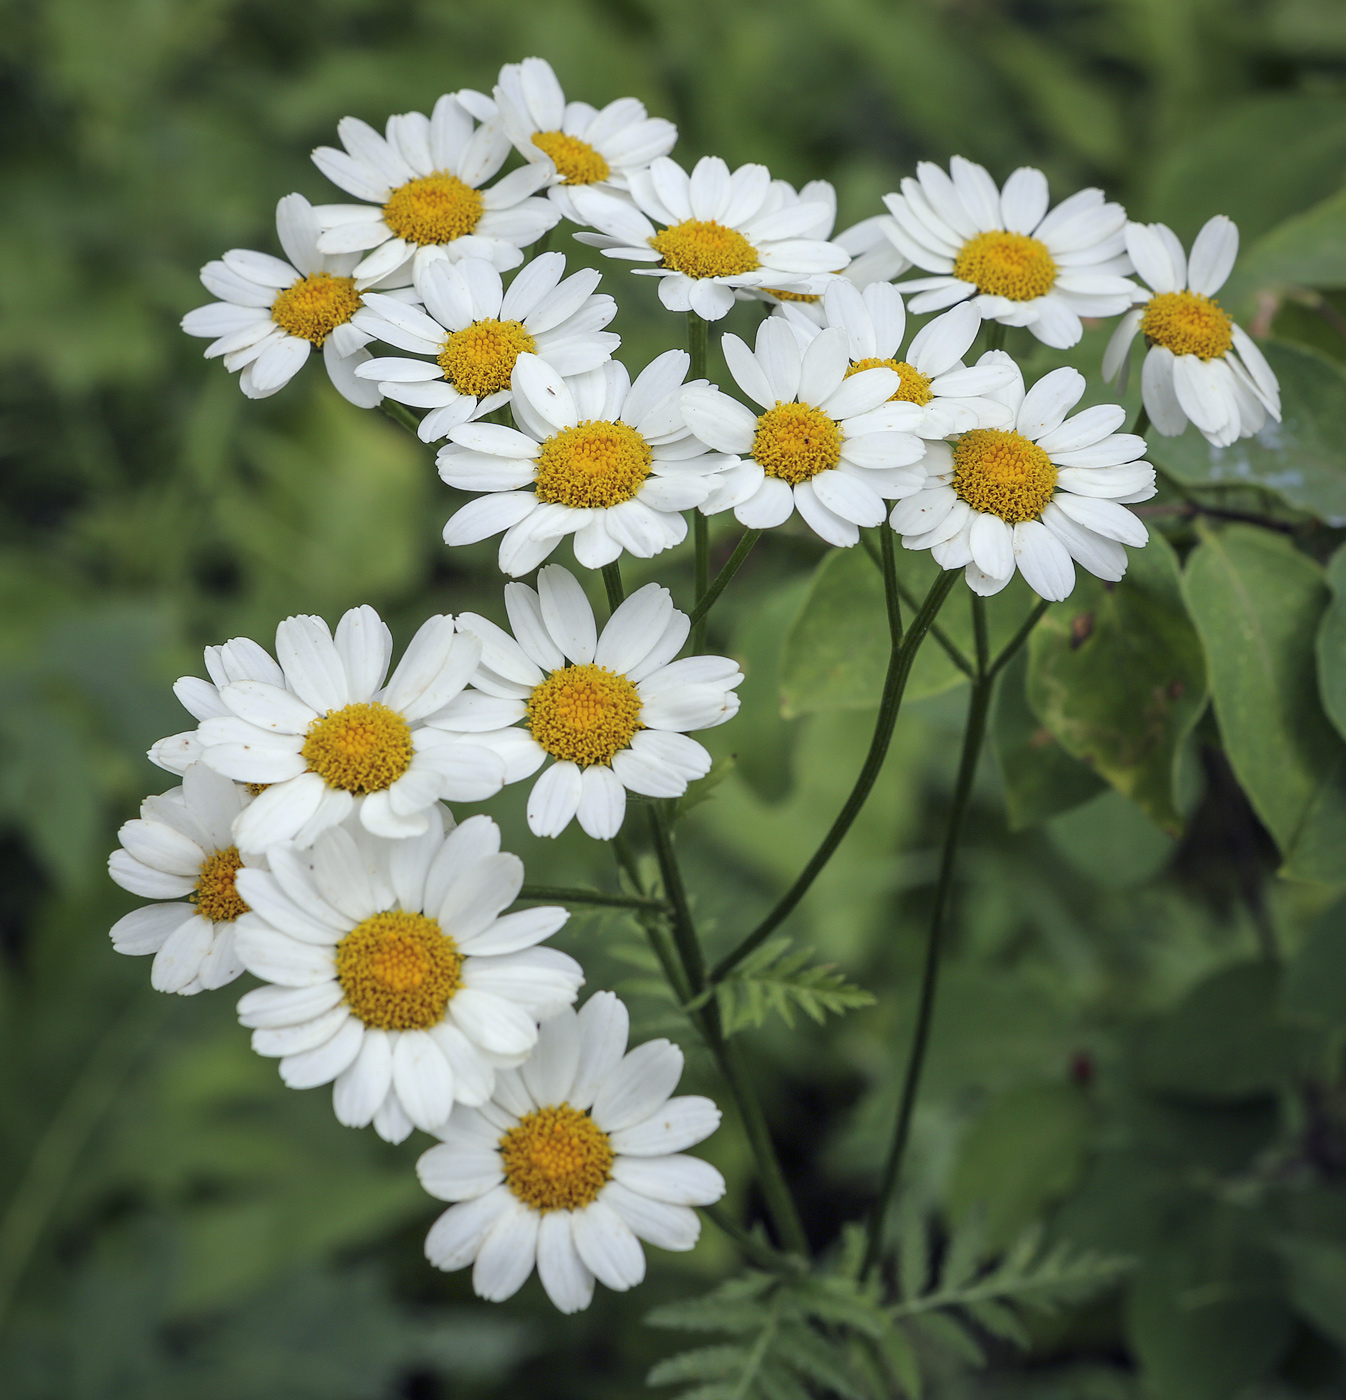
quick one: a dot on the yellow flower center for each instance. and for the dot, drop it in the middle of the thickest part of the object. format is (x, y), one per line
(557, 1159)
(584, 714)
(480, 359)
(399, 971)
(796, 441)
(592, 465)
(315, 306)
(256, 789)
(1009, 265)
(703, 248)
(790, 296)
(1188, 324)
(433, 209)
(215, 897)
(915, 386)
(1003, 473)
(576, 160)
(361, 748)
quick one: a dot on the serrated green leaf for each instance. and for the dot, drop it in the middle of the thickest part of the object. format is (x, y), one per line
(1000, 1321)
(774, 979)
(913, 1254)
(951, 1335)
(901, 1358)
(702, 1364)
(818, 1360)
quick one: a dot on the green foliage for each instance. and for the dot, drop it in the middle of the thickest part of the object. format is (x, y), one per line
(775, 979)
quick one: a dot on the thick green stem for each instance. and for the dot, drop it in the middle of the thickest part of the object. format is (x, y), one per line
(698, 345)
(707, 596)
(899, 668)
(402, 416)
(612, 581)
(564, 894)
(684, 930)
(951, 648)
(701, 547)
(993, 333)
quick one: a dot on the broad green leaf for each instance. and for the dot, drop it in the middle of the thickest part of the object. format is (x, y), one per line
(1116, 673)
(1317, 1270)
(1110, 841)
(1300, 459)
(836, 651)
(1332, 644)
(1258, 602)
(1040, 778)
(1225, 1039)
(1315, 982)
(1024, 1152)
(1307, 250)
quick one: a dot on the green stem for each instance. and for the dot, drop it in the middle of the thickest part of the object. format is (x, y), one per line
(684, 929)
(1018, 639)
(66, 1136)
(698, 345)
(612, 581)
(1142, 422)
(755, 1250)
(402, 415)
(707, 596)
(899, 668)
(994, 333)
(701, 546)
(563, 894)
(953, 650)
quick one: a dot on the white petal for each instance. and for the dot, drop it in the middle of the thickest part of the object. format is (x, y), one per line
(638, 1086)
(680, 1123)
(608, 1247)
(554, 800)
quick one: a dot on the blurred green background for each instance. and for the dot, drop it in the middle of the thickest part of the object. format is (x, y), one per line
(1141, 1031)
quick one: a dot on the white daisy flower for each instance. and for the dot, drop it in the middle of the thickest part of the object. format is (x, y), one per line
(1019, 264)
(1034, 496)
(395, 975)
(329, 738)
(272, 313)
(476, 330)
(721, 232)
(586, 147)
(951, 396)
(828, 441)
(179, 847)
(577, 1157)
(873, 257)
(612, 709)
(1199, 364)
(596, 456)
(425, 178)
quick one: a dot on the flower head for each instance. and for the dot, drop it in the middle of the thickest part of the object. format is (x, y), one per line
(322, 735)
(828, 442)
(576, 1158)
(272, 313)
(1034, 495)
(612, 709)
(598, 457)
(395, 972)
(585, 148)
(717, 233)
(1198, 365)
(426, 178)
(181, 847)
(1001, 248)
(476, 330)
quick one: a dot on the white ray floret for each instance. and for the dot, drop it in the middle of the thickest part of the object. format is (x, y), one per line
(1039, 497)
(710, 234)
(476, 330)
(1199, 366)
(1001, 248)
(394, 973)
(599, 457)
(952, 396)
(612, 709)
(272, 313)
(426, 178)
(326, 737)
(585, 146)
(578, 1156)
(181, 849)
(832, 444)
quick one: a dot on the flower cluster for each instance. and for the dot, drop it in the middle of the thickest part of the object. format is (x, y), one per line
(308, 843)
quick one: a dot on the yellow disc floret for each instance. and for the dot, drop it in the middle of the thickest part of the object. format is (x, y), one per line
(1009, 265)
(556, 1159)
(360, 748)
(795, 441)
(215, 897)
(584, 714)
(1003, 473)
(703, 248)
(315, 306)
(398, 970)
(479, 359)
(592, 465)
(915, 386)
(433, 209)
(1188, 323)
(575, 160)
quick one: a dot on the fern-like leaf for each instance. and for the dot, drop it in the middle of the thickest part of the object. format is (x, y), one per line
(776, 979)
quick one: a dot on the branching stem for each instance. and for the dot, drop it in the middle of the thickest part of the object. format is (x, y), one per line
(564, 894)
(707, 596)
